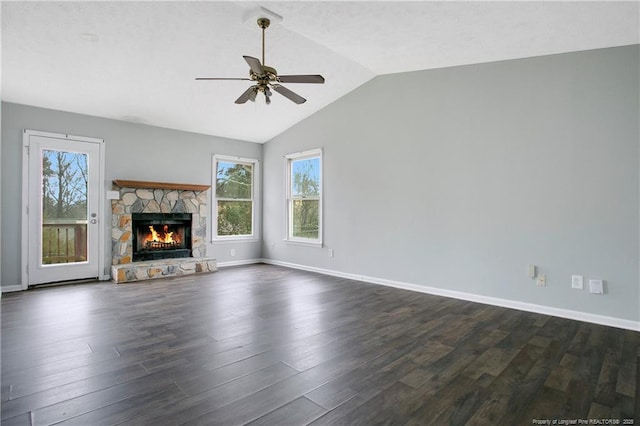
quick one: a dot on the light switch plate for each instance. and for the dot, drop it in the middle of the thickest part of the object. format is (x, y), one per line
(113, 195)
(596, 287)
(577, 282)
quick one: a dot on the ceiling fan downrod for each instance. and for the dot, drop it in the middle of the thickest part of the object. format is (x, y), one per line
(264, 24)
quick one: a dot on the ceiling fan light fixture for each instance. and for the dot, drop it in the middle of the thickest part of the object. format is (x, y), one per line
(253, 94)
(267, 95)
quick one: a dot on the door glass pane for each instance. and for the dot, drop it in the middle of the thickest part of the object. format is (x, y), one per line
(64, 207)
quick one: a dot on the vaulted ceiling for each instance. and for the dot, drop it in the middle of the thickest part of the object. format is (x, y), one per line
(137, 61)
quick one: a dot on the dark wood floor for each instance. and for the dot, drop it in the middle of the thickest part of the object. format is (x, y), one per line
(266, 345)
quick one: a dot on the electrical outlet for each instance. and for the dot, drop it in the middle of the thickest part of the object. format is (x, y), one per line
(596, 287)
(330, 252)
(542, 280)
(233, 252)
(577, 282)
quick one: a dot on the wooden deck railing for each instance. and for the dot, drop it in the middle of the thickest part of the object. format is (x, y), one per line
(64, 241)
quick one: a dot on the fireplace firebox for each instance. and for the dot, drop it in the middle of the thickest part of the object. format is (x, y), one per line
(161, 235)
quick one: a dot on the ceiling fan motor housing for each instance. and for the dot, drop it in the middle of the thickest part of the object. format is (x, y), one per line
(270, 74)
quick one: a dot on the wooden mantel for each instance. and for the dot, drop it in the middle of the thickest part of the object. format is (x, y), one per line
(159, 185)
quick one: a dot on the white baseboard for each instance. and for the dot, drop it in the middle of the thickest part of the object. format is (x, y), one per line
(238, 263)
(11, 288)
(487, 300)
(314, 269)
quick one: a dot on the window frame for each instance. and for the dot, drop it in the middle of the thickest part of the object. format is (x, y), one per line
(255, 191)
(290, 198)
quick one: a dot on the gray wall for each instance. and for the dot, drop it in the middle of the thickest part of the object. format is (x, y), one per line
(458, 178)
(453, 178)
(125, 144)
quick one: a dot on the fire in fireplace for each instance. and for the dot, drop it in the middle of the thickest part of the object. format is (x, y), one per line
(161, 235)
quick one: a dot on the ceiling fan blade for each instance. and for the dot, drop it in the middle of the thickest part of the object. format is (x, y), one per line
(249, 94)
(255, 65)
(318, 79)
(221, 78)
(289, 94)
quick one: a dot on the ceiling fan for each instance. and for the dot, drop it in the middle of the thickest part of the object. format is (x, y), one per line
(267, 78)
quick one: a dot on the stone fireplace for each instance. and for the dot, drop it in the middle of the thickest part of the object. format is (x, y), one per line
(161, 235)
(158, 230)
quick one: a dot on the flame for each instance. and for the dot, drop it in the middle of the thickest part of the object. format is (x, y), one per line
(166, 237)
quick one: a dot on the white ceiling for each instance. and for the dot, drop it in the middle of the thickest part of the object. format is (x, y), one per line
(142, 66)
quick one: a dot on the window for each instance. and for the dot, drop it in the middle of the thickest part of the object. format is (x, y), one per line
(235, 197)
(304, 197)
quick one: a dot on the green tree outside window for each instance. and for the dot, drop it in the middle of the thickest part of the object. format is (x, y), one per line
(234, 197)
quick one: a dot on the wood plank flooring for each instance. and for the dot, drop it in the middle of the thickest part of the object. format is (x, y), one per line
(265, 345)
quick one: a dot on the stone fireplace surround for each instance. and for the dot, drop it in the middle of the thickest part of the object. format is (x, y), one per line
(157, 197)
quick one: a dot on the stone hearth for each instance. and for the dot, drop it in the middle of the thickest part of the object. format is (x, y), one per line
(152, 269)
(157, 197)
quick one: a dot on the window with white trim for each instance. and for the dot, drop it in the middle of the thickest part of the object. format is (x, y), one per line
(304, 197)
(234, 197)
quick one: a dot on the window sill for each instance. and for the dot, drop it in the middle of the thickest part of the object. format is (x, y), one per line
(317, 244)
(236, 240)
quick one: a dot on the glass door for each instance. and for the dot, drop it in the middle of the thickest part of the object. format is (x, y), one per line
(63, 210)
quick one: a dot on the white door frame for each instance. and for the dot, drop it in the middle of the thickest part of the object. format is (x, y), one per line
(25, 198)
